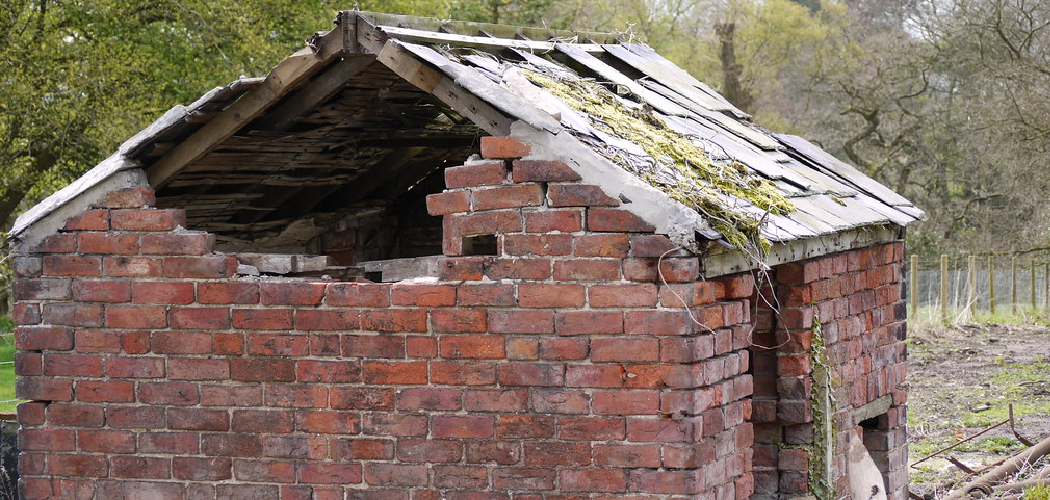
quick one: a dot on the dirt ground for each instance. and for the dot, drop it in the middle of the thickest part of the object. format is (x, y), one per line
(962, 380)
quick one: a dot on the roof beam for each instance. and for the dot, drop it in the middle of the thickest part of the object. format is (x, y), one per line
(283, 78)
(316, 92)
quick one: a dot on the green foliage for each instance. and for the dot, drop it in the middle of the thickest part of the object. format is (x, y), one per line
(1038, 492)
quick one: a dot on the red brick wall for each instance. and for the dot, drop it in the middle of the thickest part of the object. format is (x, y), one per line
(855, 296)
(562, 367)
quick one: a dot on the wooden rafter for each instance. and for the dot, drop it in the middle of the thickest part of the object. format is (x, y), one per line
(282, 79)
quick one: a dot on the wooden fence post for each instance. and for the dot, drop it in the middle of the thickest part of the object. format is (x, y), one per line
(1013, 285)
(944, 288)
(991, 284)
(971, 286)
(914, 278)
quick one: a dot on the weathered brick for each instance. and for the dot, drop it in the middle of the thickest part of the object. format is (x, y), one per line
(670, 271)
(135, 367)
(106, 441)
(563, 349)
(57, 243)
(197, 419)
(362, 449)
(132, 197)
(486, 295)
(147, 292)
(140, 467)
(484, 173)
(199, 318)
(528, 426)
(518, 269)
(132, 267)
(529, 245)
(327, 422)
(288, 293)
(329, 473)
(545, 221)
(659, 322)
(551, 296)
(392, 475)
(75, 415)
(503, 147)
(588, 322)
(531, 374)
(72, 314)
(228, 293)
(463, 427)
(43, 338)
(394, 320)
(495, 400)
(633, 456)
(261, 319)
(72, 365)
(429, 451)
(592, 480)
(78, 465)
(591, 429)
(358, 295)
(390, 424)
(448, 202)
(587, 270)
(135, 417)
(521, 195)
(89, 220)
(168, 393)
(531, 479)
(298, 395)
(200, 267)
(594, 376)
(460, 374)
(262, 370)
(579, 195)
(570, 402)
(524, 322)
(108, 391)
(182, 243)
(555, 453)
(108, 243)
(394, 373)
(146, 220)
(328, 371)
(622, 296)
(198, 369)
(626, 402)
(58, 265)
(373, 346)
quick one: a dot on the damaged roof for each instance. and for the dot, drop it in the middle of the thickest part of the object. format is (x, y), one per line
(367, 110)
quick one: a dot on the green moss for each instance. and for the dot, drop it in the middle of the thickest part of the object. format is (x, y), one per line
(677, 165)
(821, 451)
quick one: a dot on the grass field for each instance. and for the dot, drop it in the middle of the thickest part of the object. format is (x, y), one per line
(7, 366)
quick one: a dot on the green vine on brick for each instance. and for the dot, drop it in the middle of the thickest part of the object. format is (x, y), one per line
(821, 451)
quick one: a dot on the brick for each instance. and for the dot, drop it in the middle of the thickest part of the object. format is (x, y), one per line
(140, 467)
(43, 338)
(132, 267)
(132, 197)
(358, 295)
(181, 343)
(551, 296)
(134, 367)
(31, 413)
(625, 402)
(429, 451)
(457, 477)
(89, 220)
(459, 321)
(72, 365)
(523, 348)
(463, 427)
(198, 369)
(403, 373)
(24, 267)
(503, 147)
(199, 318)
(295, 447)
(287, 293)
(57, 243)
(486, 173)
(389, 424)
(42, 289)
(110, 391)
(563, 349)
(262, 370)
(532, 479)
(168, 393)
(261, 319)
(54, 265)
(373, 346)
(262, 421)
(689, 482)
(411, 294)
(662, 430)
(579, 195)
(524, 427)
(47, 440)
(555, 453)
(102, 291)
(603, 376)
(737, 286)
(587, 270)
(120, 316)
(673, 270)
(228, 293)
(28, 364)
(622, 296)
(197, 419)
(227, 395)
(25, 314)
(299, 396)
(146, 220)
(278, 344)
(692, 456)
(146, 292)
(106, 441)
(108, 243)
(389, 475)
(531, 375)
(521, 195)
(570, 402)
(75, 415)
(462, 374)
(518, 269)
(448, 202)
(566, 221)
(394, 320)
(327, 422)
(522, 322)
(185, 243)
(652, 245)
(246, 491)
(495, 400)
(135, 417)
(529, 245)
(592, 480)
(543, 171)
(362, 398)
(78, 465)
(41, 389)
(633, 456)
(591, 429)
(200, 267)
(658, 322)
(588, 322)
(486, 295)
(328, 371)
(688, 295)
(461, 269)
(362, 449)
(329, 473)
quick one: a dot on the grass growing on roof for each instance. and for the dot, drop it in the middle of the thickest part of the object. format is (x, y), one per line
(677, 165)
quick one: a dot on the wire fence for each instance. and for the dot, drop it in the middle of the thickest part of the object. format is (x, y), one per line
(961, 286)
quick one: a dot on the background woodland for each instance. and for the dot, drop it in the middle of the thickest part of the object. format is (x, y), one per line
(946, 101)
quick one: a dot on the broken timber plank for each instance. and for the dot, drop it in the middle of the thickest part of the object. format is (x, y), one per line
(315, 93)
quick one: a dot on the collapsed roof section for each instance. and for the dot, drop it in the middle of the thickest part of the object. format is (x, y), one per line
(374, 107)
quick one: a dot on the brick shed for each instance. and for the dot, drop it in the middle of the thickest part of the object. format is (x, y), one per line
(426, 260)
